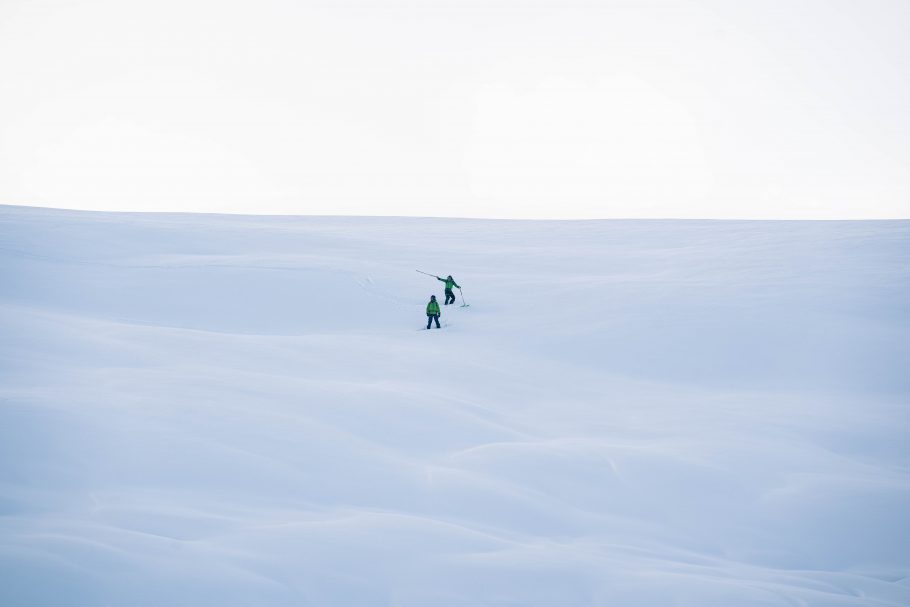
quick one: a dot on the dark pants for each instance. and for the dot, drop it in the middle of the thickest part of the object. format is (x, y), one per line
(448, 295)
(431, 318)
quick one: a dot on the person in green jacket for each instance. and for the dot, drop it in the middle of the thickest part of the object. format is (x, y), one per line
(433, 312)
(450, 282)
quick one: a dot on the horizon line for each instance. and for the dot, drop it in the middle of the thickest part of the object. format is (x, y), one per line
(445, 217)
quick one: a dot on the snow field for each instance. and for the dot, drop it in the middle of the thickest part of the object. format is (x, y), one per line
(239, 410)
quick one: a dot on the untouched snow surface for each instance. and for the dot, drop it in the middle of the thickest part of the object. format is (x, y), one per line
(227, 410)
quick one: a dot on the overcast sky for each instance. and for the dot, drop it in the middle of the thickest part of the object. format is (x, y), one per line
(487, 108)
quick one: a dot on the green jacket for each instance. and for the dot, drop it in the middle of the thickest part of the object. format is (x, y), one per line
(432, 308)
(449, 283)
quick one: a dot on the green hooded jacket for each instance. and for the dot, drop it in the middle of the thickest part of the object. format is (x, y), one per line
(432, 308)
(450, 282)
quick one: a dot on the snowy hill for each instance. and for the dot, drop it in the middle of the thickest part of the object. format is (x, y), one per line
(229, 410)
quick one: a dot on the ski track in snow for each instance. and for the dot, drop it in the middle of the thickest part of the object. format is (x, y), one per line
(236, 410)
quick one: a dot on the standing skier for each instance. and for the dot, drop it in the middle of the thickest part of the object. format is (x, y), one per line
(432, 312)
(450, 282)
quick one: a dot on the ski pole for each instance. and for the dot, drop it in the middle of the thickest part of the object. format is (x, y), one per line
(433, 275)
(462, 296)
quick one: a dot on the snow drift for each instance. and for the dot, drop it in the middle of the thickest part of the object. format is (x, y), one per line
(229, 410)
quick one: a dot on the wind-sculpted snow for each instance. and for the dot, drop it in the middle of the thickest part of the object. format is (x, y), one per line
(233, 411)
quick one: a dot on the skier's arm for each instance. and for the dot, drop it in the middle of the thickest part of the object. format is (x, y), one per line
(442, 279)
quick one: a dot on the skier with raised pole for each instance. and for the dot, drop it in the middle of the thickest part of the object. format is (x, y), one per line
(450, 282)
(433, 312)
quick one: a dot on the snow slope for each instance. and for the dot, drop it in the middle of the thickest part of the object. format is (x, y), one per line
(229, 410)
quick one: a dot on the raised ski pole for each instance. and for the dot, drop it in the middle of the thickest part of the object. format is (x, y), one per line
(433, 275)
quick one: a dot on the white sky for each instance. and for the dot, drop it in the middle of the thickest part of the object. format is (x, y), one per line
(486, 108)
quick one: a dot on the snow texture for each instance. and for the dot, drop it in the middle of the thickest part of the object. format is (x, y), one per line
(235, 410)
